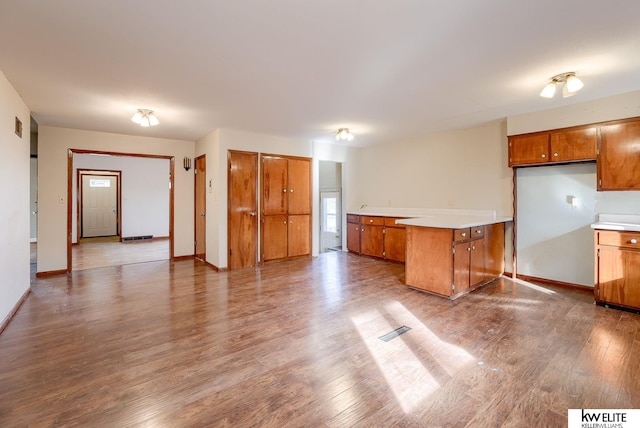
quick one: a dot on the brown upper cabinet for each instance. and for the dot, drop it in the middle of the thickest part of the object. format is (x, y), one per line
(570, 145)
(619, 156)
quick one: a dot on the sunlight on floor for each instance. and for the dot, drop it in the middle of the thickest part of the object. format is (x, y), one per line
(404, 372)
(533, 286)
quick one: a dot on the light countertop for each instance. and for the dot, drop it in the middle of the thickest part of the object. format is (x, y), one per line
(453, 221)
(619, 222)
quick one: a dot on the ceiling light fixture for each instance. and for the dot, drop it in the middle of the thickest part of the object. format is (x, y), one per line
(344, 134)
(145, 117)
(570, 85)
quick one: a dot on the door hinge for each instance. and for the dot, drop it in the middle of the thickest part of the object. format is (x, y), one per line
(453, 287)
(230, 251)
(598, 252)
(384, 254)
(453, 250)
(600, 182)
(195, 171)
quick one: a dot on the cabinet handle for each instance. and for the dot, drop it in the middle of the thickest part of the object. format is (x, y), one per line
(370, 221)
(479, 231)
(284, 222)
(634, 241)
(357, 229)
(284, 190)
(555, 155)
(473, 247)
(468, 248)
(543, 156)
(362, 230)
(463, 234)
(291, 190)
(290, 221)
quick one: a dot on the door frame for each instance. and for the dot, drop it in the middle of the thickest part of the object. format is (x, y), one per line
(103, 173)
(321, 216)
(195, 213)
(71, 152)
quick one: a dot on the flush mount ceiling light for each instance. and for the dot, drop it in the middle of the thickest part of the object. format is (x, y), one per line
(344, 134)
(570, 85)
(145, 117)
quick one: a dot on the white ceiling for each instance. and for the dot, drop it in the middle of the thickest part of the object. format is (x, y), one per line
(301, 69)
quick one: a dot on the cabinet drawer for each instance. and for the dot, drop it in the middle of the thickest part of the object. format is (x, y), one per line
(461, 234)
(619, 239)
(391, 222)
(352, 218)
(373, 221)
(477, 232)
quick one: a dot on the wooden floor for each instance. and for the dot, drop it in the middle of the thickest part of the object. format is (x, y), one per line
(297, 344)
(91, 253)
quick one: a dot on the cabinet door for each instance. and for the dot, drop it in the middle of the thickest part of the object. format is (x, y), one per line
(494, 250)
(619, 158)
(371, 239)
(395, 239)
(274, 242)
(274, 186)
(299, 227)
(618, 277)
(528, 149)
(573, 145)
(476, 262)
(353, 237)
(299, 186)
(461, 267)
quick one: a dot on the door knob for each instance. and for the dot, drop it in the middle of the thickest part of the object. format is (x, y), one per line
(634, 241)
(252, 213)
(202, 214)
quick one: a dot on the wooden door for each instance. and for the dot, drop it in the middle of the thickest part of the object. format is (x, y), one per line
(353, 237)
(476, 262)
(299, 186)
(200, 211)
(528, 149)
(494, 250)
(619, 160)
(242, 227)
(461, 267)
(99, 205)
(579, 144)
(395, 239)
(371, 240)
(275, 246)
(275, 190)
(299, 235)
(618, 276)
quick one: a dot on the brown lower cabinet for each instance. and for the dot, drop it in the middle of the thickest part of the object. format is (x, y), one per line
(376, 236)
(288, 236)
(451, 262)
(617, 268)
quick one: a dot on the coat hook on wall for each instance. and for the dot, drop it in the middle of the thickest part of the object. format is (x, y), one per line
(186, 163)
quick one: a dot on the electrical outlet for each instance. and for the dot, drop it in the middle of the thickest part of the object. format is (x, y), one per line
(451, 203)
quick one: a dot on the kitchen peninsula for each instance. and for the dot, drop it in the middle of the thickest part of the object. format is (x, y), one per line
(450, 254)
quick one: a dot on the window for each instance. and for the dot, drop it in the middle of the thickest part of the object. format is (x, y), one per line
(330, 215)
(94, 182)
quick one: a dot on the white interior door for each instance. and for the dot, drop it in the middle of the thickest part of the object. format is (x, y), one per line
(330, 207)
(99, 206)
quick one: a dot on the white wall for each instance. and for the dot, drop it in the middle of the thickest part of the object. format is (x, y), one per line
(14, 213)
(457, 169)
(535, 261)
(215, 146)
(54, 144)
(33, 199)
(330, 175)
(145, 192)
(555, 240)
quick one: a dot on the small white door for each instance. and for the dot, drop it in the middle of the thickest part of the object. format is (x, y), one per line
(99, 206)
(330, 215)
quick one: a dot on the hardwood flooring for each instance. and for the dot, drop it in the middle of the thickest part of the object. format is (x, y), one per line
(91, 253)
(297, 344)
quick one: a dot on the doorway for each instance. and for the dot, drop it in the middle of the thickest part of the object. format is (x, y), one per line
(330, 183)
(99, 194)
(242, 217)
(145, 206)
(200, 211)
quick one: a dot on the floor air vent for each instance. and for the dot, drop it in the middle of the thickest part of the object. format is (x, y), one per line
(395, 333)
(137, 238)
